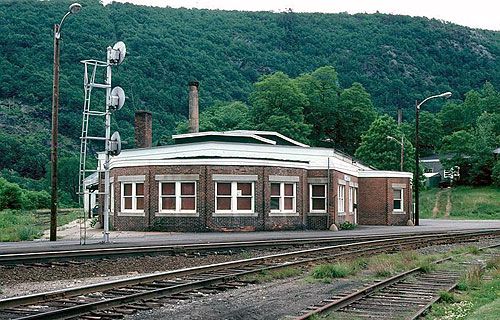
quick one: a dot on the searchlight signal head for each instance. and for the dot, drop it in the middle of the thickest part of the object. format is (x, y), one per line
(115, 144)
(117, 98)
(117, 53)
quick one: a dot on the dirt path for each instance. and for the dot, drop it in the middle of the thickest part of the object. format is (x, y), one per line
(448, 204)
(435, 210)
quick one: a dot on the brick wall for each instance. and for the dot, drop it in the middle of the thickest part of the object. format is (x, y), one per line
(374, 201)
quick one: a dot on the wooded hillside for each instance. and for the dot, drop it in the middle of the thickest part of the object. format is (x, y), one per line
(396, 59)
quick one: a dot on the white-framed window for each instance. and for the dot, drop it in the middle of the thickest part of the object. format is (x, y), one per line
(398, 200)
(351, 199)
(177, 197)
(234, 197)
(341, 197)
(317, 198)
(283, 197)
(132, 197)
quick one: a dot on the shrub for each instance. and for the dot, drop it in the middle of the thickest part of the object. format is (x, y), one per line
(35, 199)
(447, 297)
(10, 195)
(347, 226)
(495, 174)
(28, 233)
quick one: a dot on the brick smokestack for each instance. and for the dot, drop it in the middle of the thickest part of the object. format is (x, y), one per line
(193, 107)
(143, 129)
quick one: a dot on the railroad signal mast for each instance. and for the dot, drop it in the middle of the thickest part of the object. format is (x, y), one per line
(115, 98)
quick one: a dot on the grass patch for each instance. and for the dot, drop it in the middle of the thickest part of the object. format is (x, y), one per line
(489, 311)
(269, 275)
(21, 225)
(447, 297)
(482, 203)
(336, 270)
(384, 265)
(476, 298)
(473, 277)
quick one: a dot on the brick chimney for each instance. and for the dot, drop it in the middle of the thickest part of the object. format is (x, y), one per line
(193, 107)
(143, 129)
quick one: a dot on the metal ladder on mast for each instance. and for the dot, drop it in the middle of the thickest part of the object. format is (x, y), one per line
(89, 83)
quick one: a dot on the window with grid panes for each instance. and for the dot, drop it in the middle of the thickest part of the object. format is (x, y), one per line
(132, 197)
(283, 199)
(177, 197)
(317, 199)
(236, 197)
(398, 200)
(351, 199)
(341, 199)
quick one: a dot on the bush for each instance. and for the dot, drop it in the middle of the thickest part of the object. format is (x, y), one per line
(10, 195)
(35, 199)
(28, 233)
(447, 297)
(495, 174)
(347, 226)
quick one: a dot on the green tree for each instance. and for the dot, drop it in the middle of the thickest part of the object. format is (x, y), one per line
(452, 117)
(430, 133)
(382, 153)
(355, 112)
(277, 97)
(321, 89)
(221, 117)
(472, 150)
(67, 169)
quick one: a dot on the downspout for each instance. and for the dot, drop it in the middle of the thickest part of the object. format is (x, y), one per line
(328, 196)
(386, 201)
(205, 213)
(150, 217)
(263, 199)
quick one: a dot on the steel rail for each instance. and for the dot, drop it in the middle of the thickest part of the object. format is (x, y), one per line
(61, 255)
(375, 245)
(364, 292)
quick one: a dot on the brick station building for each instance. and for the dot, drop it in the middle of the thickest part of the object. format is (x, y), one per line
(247, 180)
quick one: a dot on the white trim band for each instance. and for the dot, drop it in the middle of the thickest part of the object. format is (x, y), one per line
(177, 177)
(284, 178)
(140, 178)
(235, 177)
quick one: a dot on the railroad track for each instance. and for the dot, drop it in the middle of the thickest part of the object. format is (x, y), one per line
(69, 257)
(112, 299)
(407, 295)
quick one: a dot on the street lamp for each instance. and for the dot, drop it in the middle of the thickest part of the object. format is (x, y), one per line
(417, 160)
(401, 143)
(74, 8)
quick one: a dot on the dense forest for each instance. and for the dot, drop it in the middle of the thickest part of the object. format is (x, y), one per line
(365, 65)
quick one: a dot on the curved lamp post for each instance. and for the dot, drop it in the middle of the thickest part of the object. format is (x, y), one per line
(417, 160)
(74, 8)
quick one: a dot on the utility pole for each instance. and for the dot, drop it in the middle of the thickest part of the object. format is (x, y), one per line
(53, 149)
